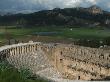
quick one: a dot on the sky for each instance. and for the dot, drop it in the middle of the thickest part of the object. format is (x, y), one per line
(36, 5)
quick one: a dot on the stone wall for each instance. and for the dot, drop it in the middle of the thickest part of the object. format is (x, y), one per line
(62, 60)
(76, 62)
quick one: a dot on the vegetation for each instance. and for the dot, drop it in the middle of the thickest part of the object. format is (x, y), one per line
(83, 35)
(75, 24)
(64, 32)
(10, 74)
(57, 16)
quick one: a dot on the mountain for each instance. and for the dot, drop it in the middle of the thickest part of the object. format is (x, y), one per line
(6, 12)
(90, 17)
(2, 13)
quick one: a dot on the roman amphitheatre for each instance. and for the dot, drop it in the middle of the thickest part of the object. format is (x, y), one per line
(59, 62)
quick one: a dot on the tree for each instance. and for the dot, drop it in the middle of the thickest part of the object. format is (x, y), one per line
(21, 23)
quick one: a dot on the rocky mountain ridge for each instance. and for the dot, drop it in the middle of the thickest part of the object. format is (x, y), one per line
(92, 16)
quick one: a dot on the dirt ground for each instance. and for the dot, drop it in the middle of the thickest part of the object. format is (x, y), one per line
(46, 39)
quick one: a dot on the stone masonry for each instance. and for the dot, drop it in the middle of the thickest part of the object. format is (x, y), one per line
(59, 62)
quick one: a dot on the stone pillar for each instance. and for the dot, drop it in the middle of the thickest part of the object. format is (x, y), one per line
(14, 52)
(28, 48)
(22, 49)
(36, 47)
(31, 47)
(17, 50)
(6, 53)
(25, 49)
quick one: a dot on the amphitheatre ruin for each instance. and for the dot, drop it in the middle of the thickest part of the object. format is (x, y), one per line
(59, 62)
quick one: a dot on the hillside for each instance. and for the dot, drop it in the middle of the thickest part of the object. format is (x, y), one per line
(89, 17)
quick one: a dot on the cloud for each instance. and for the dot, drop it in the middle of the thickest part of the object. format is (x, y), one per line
(36, 5)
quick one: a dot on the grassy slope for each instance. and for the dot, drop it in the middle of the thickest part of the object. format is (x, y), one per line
(86, 33)
(10, 74)
(66, 32)
(75, 33)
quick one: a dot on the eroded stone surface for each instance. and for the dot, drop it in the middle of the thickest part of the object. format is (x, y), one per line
(59, 62)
